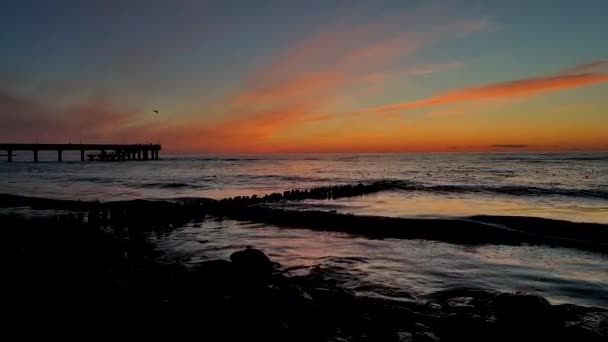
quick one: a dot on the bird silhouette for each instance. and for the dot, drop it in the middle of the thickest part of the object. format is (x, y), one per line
(156, 111)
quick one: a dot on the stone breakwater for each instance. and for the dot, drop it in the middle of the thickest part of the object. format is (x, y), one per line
(79, 282)
(471, 230)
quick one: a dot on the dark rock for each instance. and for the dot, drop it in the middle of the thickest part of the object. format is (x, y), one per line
(215, 273)
(405, 336)
(380, 336)
(581, 333)
(583, 321)
(467, 327)
(520, 306)
(425, 337)
(525, 317)
(419, 327)
(253, 266)
(337, 339)
(461, 304)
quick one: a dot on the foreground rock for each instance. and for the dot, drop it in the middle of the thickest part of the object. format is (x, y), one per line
(77, 283)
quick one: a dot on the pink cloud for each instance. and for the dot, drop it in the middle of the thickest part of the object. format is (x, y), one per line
(517, 88)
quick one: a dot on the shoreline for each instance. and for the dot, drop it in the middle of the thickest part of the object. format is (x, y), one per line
(74, 280)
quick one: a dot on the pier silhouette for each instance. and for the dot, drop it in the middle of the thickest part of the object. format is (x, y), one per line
(117, 152)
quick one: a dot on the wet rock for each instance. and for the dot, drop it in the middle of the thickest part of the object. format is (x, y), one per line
(517, 307)
(581, 333)
(337, 339)
(467, 327)
(215, 273)
(253, 266)
(419, 327)
(404, 336)
(379, 335)
(461, 304)
(425, 337)
(525, 317)
(592, 323)
(297, 294)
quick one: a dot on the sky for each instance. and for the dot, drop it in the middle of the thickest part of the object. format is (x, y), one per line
(307, 76)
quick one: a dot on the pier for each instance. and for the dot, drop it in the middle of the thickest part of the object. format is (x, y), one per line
(104, 152)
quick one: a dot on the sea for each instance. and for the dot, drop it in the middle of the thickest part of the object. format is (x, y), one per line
(564, 186)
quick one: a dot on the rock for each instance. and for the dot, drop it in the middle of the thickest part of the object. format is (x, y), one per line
(580, 333)
(253, 266)
(337, 339)
(467, 327)
(298, 294)
(525, 317)
(377, 330)
(404, 336)
(215, 273)
(419, 327)
(461, 304)
(587, 322)
(425, 337)
(519, 307)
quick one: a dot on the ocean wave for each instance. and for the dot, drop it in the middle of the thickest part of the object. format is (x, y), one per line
(503, 190)
(169, 185)
(284, 178)
(550, 158)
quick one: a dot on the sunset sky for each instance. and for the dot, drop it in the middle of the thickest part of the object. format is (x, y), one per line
(307, 76)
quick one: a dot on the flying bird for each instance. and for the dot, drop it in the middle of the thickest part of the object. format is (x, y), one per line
(156, 111)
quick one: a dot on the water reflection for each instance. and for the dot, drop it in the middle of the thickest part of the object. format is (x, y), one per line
(386, 267)
(420, 204)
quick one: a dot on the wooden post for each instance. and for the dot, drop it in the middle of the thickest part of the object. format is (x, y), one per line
(59, 155)
(10, 156)
(145, 154)
(139, 155)
(35, 156)
(81, 155)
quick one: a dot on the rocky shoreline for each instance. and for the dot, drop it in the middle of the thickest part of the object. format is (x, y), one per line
(74, 281)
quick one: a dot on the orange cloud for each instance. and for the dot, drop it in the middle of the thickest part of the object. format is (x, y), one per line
(303, 84)
(298, 87)
(517, 88)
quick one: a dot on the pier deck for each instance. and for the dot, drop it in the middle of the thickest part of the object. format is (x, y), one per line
(116, 151)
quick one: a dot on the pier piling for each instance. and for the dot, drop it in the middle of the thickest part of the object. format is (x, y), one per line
(115, 152)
